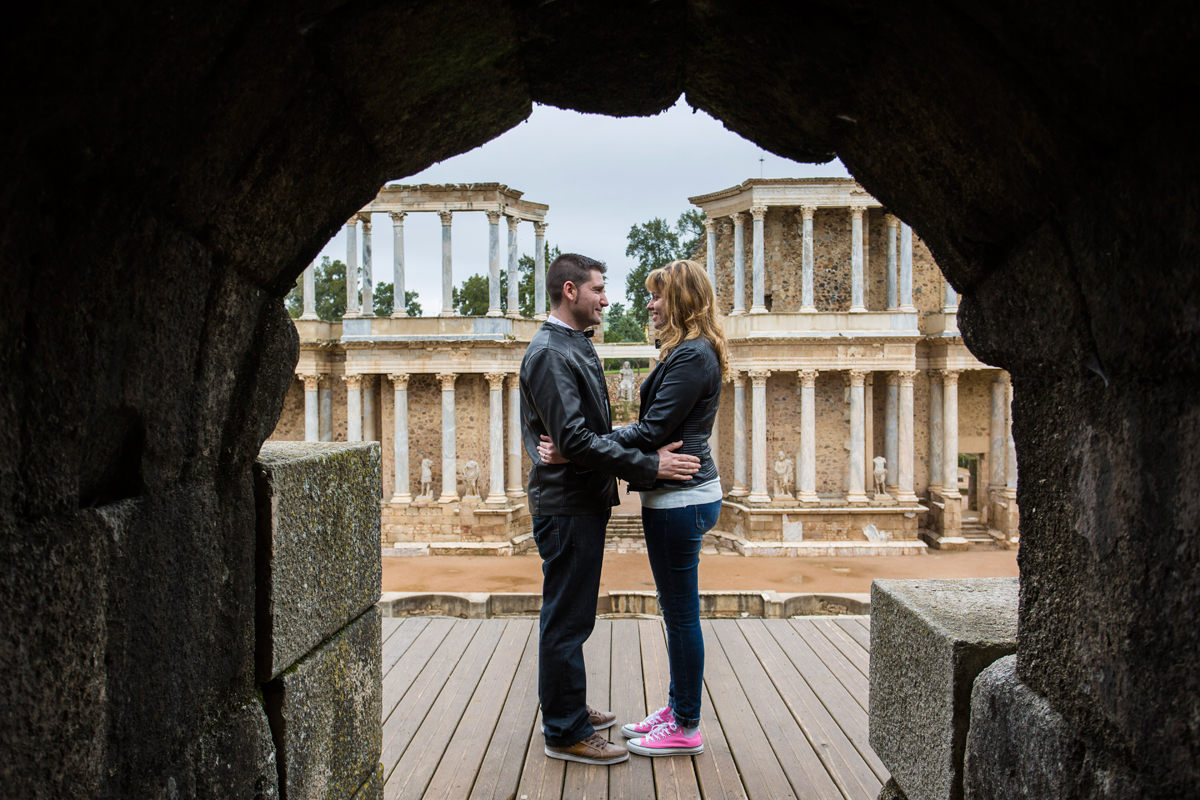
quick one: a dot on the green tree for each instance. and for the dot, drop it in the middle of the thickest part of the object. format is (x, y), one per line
(383, 301)
(525, 267)
(654, 244)
(621, 327)
(471, 299)
(691, 230)
(330, 279)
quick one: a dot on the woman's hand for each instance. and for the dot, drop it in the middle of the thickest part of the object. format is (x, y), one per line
(549, 452)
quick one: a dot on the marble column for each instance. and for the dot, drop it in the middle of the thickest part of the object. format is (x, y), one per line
(352, 310)
(515, 487)
(950, 433)
(496, 439)
(997, 450)
(539, 270)
(906, 269)
(891, 430)
(369, 434)
(325, 393)
(759, 264)
(950, 305)
(807, 467)
(312, 420)
(858, 441)
(447, 267)
(936, 436)
(401, 492)
(866, 248)
(309, 292)
(353, 407)
(857, 301)
(368, 276)
(806, 259)
(399, 304)
(710, 260)
(758, 445)
(449, 451)
(893, 234)
(494, 264)
(1010, 465)
(739, 264)
(514, 280)
(904, 488)
(739, 437)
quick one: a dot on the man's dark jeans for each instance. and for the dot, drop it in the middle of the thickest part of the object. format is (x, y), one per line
(673, 540)
(572, 551)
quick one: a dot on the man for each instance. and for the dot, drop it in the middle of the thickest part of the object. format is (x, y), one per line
(564, 396)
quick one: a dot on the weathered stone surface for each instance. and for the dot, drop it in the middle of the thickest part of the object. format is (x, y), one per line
(373, 788)
(326, 712)
(929, 640)
(318, 549)
(890, 791)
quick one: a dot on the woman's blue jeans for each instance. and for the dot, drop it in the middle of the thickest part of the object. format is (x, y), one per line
(673, 540)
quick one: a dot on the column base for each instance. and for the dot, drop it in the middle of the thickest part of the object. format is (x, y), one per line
(514, 491)
(401, 499)
(367, 314)
(737, 312)
(858, 309)
(309, 316)
(355, 314)
(763, 498)
(739, 491)
(541, 317)
(907, 309)
(857, 497)
(399, 315)
(808, 497)
(494, 312)
(448, 314)
(907, 497)
(808, 309)
(448, 498)
(496, 500)
(513, 316)
(758, 309)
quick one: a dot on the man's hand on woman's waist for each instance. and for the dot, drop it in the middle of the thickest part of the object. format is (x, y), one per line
(672, 466)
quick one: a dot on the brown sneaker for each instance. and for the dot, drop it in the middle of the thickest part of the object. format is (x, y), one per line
(601, 719)
(593, 750)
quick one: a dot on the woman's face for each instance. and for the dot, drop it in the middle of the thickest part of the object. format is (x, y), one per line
(657, 307)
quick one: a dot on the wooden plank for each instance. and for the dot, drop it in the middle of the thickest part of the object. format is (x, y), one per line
(854, 652)
(590, 780)
(866, 623)
(541, 776)
(838, 701)
(855, 630)
(402, 725)
(634, 779)
(805, 771)
(674, 777)
(853, 776)
(397, 645)
(388, 626)
(500, 772)
(400, 677)
(761, 774)
(716, 771)
(847, 674)
(455, 775)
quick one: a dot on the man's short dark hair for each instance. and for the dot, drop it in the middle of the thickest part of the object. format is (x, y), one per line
(570, 267)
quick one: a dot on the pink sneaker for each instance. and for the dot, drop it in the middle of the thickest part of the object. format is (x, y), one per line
(649, 723)
(666, 740)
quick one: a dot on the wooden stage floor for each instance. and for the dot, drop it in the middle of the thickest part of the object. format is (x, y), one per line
(784, 716)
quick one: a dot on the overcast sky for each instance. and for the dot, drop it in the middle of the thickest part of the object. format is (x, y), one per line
(599, 175)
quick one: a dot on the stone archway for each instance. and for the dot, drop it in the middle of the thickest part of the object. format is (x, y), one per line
(169, 170)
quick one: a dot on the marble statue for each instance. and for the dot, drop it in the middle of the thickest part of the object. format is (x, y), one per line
(471, 474)
(784, 476)
(626, 389)
(426, 478)
(880, 477)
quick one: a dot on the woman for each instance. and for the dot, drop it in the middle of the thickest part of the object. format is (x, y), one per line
(679, 402)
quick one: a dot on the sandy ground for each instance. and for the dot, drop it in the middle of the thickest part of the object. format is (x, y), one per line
(631, 571)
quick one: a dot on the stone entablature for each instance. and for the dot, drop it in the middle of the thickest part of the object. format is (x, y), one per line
(784, 192)
(456, 197)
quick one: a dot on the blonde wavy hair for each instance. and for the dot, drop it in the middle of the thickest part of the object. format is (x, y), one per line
(690, 309)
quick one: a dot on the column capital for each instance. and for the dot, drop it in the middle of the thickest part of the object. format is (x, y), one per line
(710, 225)
(311, 382)
(758, 377)
(495, 380)
(907, 376)
(935, 375)
(539, 228)
(368, 380)
(446, 217)
(365, 219)
(808, 377)
(397, 217)
(858, 376)
(353, 382)
(1004, 378)
(513, 222)
(893, 379)
(735, 377)
(891, 220)
(400, 380)
(950, 377)
(352, 222)
(758, 212)
(857, 211)
(493, 215)
(808, 212)
(447, 379)
(514, 380)
(738, 219)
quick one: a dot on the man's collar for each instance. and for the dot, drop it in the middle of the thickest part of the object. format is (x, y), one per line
(551, 318)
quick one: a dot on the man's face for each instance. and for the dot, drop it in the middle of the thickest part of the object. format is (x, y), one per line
(588, 301)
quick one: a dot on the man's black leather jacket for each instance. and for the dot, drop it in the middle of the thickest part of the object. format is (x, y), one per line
(565, 397)
(680, 399)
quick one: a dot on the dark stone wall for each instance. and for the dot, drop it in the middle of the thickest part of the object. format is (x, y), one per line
(168, 169)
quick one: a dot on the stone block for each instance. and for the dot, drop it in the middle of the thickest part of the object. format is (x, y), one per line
(326, 714)
(930, 639)
(318, 545)
(890, 791)
(373, 788)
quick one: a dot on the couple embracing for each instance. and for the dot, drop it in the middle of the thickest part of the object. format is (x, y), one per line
(565, 425)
